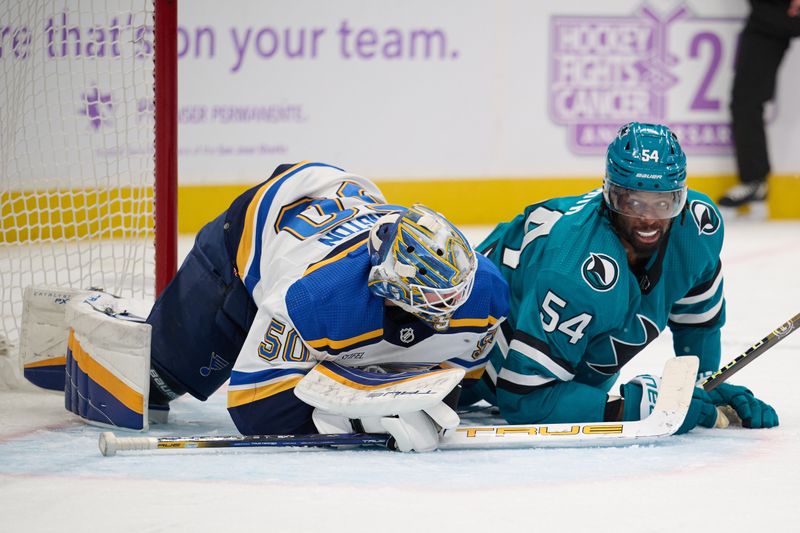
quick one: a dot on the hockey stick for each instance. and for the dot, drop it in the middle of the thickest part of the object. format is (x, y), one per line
(110, 444)
(710, 383)
(674, 397)
(774, 337)
(671, 407)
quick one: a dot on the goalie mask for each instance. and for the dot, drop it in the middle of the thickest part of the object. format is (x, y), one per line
(423, 263)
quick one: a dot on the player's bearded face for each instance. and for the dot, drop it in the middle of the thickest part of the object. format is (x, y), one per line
(641, 233)
(643, 218)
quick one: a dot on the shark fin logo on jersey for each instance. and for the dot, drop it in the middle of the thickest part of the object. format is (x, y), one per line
(600, 271)
(625, 351)
(705, 216)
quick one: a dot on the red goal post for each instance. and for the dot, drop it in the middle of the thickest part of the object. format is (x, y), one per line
(166, 140)
(88, 150)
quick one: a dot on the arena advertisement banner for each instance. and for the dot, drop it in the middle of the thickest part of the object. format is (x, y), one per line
(467, 89)
(671, 67)
(407, 91)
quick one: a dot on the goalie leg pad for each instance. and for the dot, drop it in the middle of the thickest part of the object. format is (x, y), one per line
(43, 334)
(107, 364)
(202, 318)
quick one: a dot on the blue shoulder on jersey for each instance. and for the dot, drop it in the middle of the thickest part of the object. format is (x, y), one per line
(331, 305)
(334, 310)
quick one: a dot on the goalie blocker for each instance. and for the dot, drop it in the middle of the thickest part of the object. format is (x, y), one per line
(413, 407)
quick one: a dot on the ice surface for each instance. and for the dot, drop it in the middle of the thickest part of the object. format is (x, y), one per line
(53, 478)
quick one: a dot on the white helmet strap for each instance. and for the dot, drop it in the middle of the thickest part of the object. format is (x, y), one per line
(429, 222)
(405, 271)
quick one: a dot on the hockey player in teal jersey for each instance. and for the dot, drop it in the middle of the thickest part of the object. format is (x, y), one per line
(595, 278)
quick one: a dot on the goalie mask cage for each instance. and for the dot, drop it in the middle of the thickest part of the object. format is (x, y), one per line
(88, 158)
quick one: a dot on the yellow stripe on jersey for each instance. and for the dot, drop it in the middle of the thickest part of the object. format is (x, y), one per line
(473, 322)
(54, 361)
(246, 240)
(130, 398)
(311, 268)
(475, 374)
(344, 343)
(471, 374)
(361, 386)
(238, 397)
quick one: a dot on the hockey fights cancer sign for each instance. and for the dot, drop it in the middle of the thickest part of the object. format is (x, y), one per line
(656, 67)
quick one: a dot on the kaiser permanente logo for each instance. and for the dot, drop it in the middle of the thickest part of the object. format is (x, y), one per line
(657, 66)
(97, 105)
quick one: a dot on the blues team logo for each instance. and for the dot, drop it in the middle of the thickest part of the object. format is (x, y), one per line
(705, 217)
(600, 271)
(217, 362)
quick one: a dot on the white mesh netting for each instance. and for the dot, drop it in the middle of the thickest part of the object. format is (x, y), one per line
(76, 150)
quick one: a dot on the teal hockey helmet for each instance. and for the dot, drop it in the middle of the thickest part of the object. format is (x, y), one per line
(422, 263)
(645, 172)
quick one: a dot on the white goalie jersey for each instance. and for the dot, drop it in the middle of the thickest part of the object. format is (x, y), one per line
(304, 259)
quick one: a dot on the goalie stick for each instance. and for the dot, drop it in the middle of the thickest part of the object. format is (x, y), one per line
(671, 407)
(110, 444)
(773, 338)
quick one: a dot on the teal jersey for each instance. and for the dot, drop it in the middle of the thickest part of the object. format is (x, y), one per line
(579, 313)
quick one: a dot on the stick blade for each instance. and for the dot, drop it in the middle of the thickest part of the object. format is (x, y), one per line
(674, 398)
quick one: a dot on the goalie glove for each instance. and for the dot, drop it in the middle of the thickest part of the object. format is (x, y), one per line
(417, 431)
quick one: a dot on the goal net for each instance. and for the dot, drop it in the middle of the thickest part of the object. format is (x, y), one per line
(78, 179)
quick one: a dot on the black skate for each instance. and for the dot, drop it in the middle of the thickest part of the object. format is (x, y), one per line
(744, 194)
